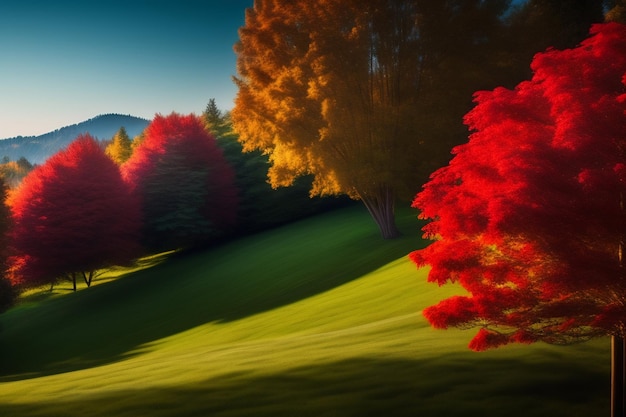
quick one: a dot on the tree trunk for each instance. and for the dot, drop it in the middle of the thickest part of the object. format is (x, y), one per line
(618, 369)
(381, 207)
(88, 277)
(618, 376)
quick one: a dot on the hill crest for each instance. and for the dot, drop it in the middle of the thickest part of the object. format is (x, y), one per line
(38, 148)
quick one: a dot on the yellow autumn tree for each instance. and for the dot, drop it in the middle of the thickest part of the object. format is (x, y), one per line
(366, 96)
(120, 149)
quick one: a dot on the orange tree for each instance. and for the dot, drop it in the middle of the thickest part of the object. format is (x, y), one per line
(367, 97)
(529, 216)
(72, 216)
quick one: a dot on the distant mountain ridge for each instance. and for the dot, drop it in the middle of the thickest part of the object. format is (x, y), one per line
(39, 148)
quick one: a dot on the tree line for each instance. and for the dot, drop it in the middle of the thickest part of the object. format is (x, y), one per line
(80, 211)
(182, 183)
(369, 97)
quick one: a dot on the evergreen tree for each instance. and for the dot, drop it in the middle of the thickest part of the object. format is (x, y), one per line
(261, 207)
(215, 120)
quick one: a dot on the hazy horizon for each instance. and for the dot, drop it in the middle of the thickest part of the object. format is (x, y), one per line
(68, 61)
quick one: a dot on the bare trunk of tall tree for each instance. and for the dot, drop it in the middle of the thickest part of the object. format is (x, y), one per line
(618, 365)
(618, 377)
(381, 207)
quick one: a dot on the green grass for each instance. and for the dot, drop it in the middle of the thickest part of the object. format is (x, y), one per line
(319, 318)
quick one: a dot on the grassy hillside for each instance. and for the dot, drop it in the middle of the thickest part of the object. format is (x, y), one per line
(319, 318)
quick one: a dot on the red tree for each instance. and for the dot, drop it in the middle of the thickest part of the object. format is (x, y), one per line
(185, 185)
(72, 215)
(529, 216)
(8, 293)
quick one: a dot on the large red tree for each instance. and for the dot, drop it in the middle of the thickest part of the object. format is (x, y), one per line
(72, 216)
(529, 216)
(184, 183)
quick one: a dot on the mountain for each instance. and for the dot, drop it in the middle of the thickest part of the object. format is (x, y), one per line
(38, 148)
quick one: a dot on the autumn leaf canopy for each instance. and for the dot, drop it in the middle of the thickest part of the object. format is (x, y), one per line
(529, 216)
(72, 214)
(185, 185)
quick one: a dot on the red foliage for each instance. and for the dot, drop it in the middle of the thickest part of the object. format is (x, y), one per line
(529, 214)
(454, 311)
(72, 214)
(183, 181)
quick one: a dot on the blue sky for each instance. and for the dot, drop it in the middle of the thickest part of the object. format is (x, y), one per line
(65, 61)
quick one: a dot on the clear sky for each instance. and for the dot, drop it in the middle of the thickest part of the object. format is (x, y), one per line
(66, 61)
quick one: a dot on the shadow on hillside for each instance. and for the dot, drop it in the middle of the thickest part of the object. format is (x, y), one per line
(361, 387)
(63, 287)
(111, 322)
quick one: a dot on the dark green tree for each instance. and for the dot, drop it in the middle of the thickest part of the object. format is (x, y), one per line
(260, 206)
(536, 25)
(216, 121)
(184, 183)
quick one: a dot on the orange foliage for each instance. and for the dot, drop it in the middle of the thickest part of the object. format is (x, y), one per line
(348, 91)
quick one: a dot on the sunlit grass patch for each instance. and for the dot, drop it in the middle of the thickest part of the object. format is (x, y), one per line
(258, 327)
(32, 296)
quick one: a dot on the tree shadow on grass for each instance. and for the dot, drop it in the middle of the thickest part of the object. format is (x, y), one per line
(108, 323)
(448, 386)
(63, 287)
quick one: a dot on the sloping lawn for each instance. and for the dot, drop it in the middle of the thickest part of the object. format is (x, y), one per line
(319, 318)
